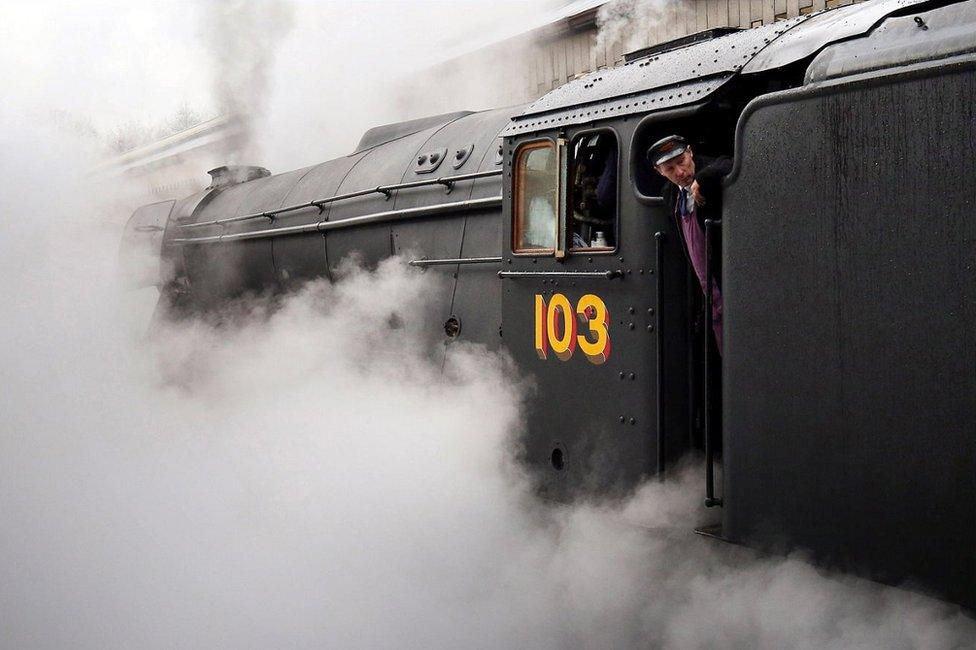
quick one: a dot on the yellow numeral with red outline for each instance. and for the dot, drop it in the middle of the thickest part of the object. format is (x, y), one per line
(556, 328)
(561, 327)
(541, 338)
(598, 317)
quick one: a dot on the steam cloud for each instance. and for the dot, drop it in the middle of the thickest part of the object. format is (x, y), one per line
(632, 23)
(306, 477)
(244, 38)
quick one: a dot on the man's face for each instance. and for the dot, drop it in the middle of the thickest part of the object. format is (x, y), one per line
(680, 170)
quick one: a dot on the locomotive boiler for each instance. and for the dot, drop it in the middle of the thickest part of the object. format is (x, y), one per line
(843, 413)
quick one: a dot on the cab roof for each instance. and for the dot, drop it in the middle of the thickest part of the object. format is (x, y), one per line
(686, 75)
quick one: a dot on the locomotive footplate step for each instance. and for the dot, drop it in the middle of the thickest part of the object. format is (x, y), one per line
(711, 530)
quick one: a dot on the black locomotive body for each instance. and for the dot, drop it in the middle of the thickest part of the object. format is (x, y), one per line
(848, 395)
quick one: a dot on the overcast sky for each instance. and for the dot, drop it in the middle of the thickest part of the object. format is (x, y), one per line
(115, 62)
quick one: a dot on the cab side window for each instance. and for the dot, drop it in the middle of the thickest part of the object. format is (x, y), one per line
(535, 199)
(593, 192)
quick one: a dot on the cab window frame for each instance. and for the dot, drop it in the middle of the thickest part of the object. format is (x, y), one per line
(518, 190)
(674, 120)
(570, 187)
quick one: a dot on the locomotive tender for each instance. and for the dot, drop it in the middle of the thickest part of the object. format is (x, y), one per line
(845, 405)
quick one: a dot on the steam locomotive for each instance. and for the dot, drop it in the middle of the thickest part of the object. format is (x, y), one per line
(845, 405)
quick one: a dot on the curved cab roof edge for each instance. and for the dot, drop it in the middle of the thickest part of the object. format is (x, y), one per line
(690, 74)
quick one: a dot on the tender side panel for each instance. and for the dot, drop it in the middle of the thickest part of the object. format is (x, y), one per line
(850, 311)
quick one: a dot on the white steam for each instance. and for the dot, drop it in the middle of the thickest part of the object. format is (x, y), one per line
(243, 38)
(633, 24)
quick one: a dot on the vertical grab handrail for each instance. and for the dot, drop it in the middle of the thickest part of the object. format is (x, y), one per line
(658, 258)
(710, 499)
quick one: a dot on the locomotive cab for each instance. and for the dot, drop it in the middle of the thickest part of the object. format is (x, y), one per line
(599, 305)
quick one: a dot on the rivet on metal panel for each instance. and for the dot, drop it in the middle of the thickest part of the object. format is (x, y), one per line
(632, 376)
(630, 326)
(622, 419)
(650, 328)
(621, 375)
(631, 310)
(633, 420)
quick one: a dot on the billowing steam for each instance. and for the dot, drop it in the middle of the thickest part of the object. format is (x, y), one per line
(243, 38)
(633, 24)
(307, 477)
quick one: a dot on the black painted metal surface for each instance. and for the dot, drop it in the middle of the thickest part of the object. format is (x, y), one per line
(933, 35)
(824, 28)
(389, 132)
(850, 307)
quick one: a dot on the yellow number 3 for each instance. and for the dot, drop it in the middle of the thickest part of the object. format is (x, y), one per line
(556, 327)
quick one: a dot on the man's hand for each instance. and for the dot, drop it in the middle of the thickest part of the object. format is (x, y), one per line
(697, 194)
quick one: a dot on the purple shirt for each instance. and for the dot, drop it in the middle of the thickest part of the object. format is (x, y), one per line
(695, 241)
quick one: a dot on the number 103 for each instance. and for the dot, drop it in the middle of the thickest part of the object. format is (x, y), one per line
(557, 325)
